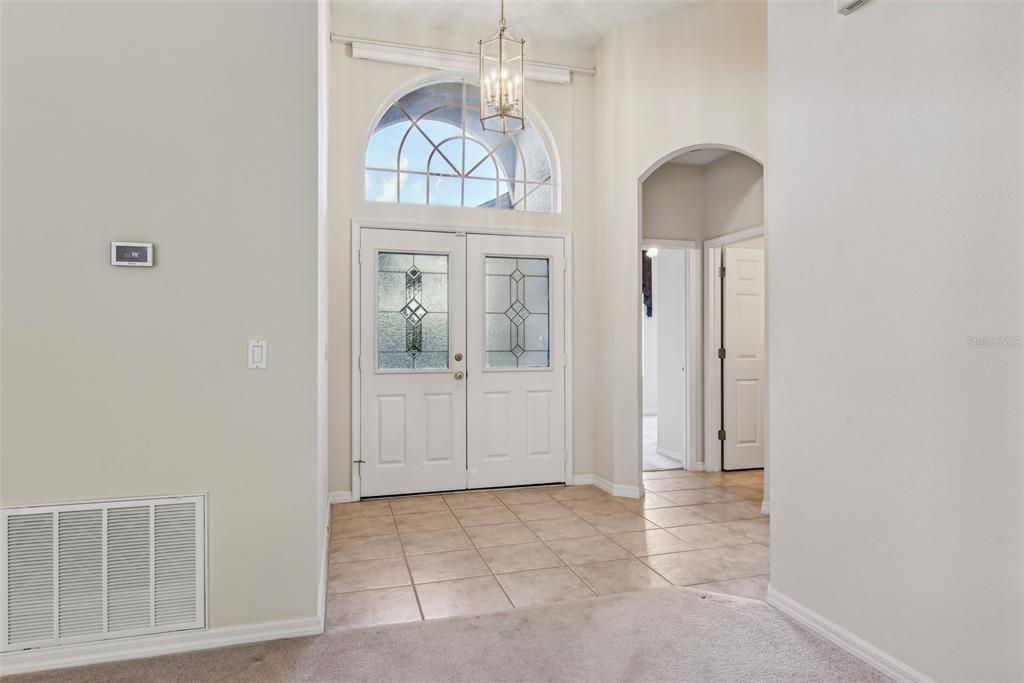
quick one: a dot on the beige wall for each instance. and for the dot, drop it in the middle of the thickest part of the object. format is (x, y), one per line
(687, 202)
(735, 195)
(191, 125)
(713, 94)
(673, 203)
(894, 213)
(359, 88)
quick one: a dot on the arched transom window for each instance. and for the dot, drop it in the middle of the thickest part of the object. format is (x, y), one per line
(429, 148)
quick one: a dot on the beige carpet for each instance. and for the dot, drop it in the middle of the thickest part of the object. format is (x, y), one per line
(674, 634)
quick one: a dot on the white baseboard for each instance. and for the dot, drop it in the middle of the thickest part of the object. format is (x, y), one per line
(340, 497)
(671, 455)
(63, 656)
(619, 490)
(837, 635)
(765, 508)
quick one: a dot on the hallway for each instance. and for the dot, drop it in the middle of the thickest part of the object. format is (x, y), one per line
(653, 460)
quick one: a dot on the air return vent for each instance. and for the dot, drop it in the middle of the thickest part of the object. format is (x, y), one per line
(93, 571)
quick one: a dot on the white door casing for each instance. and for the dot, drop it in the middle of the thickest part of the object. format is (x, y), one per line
(413, 402)
(516, 360)
(744, 366)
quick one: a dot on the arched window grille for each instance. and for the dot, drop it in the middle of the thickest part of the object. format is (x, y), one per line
(429, 148)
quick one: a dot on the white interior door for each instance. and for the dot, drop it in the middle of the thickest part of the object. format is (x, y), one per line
(670, 308)
(413, 408)
(516, 361)
(743, 372)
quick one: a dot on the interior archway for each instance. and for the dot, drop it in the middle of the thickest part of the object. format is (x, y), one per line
(696, 201)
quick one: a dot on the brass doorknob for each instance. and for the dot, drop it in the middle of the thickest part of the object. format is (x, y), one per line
(459, 374)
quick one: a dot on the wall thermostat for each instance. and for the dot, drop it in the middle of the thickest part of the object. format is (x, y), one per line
(131, 253)
(849, 6)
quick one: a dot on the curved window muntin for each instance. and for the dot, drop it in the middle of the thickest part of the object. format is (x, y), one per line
(512, 190)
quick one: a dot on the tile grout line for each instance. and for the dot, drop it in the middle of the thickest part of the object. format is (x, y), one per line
(408, 568)
(486, 563)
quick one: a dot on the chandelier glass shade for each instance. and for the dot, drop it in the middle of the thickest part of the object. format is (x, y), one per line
(502, 80)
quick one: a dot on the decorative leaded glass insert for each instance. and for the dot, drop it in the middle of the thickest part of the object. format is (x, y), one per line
(516, 292)
(412, 311)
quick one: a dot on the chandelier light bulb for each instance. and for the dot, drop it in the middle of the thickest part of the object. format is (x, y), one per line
(502, 79)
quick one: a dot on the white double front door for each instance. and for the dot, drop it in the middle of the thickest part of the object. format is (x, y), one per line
(461, 361)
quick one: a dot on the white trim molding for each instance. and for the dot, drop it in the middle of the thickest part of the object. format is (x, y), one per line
(323, 519)
(60, 657)
(341, 497)
(450, 60)
(765, 507)
(837, 635)
(647, 243)
(619, 490)
(738, 236)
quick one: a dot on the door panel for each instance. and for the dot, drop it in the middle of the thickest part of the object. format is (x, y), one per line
(538, 423)
(413, 322)
(515, 354)
(743, 417)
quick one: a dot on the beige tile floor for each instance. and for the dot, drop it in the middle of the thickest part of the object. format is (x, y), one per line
(433, 556)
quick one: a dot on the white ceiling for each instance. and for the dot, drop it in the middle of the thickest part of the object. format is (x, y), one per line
(700, 157)
(580, 22)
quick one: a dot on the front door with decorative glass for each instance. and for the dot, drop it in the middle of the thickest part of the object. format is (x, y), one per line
(445, 318)
(517, 361)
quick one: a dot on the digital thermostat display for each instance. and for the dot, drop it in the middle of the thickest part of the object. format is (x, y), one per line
(131, 253)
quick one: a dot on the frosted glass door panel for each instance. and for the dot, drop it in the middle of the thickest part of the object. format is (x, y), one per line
(412, 311)
(517, 295)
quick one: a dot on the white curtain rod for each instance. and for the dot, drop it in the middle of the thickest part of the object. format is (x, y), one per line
(339, 38)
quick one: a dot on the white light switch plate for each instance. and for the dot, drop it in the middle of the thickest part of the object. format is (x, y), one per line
(257, 354)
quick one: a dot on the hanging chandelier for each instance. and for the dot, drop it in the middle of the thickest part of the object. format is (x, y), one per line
(502, 80)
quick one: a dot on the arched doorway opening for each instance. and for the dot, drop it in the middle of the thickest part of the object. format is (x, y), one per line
(701, 304)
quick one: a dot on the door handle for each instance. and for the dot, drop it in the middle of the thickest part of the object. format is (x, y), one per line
(459, 374)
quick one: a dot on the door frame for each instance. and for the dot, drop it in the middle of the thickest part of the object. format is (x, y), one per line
(692, 316)
(712, 342)
(355, 301)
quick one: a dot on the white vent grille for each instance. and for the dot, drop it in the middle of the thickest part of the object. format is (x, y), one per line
(92, 571)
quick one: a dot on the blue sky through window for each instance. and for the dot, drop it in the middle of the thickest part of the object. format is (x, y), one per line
(428, 148)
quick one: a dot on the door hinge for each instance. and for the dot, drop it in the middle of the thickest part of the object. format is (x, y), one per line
(359, 363)
(721, 354)
(721, 271)
(359, 255)
(721, 435)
